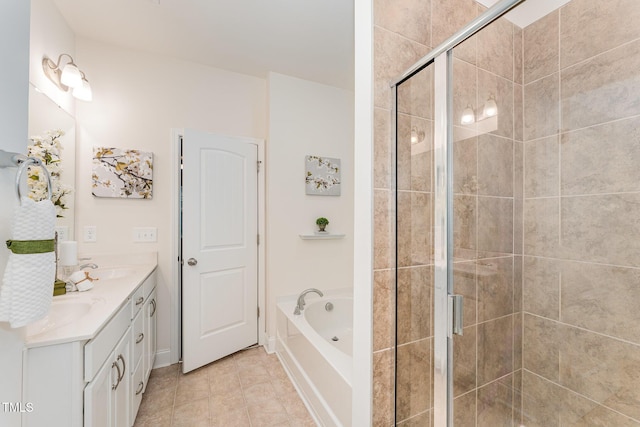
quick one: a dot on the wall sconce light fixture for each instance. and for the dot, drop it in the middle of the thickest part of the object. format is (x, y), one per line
(468, 116)
(416, 135)
(67, 76)
(489, 109)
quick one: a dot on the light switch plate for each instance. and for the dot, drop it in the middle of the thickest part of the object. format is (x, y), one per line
(90, 233)
(145, 234)
(63, 233)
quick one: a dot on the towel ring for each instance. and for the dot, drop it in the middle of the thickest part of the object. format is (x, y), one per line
(23, 164)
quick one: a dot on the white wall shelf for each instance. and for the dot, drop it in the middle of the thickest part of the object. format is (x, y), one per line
(326, 236)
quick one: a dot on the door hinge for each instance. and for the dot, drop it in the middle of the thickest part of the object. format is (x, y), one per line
(258, 311)
(259, 162)
(456, 310)
(258, 239)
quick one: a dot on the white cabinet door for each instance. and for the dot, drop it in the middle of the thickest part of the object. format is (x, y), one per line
(150, 343)
(121, 401)
(137, 387)
(98, 396)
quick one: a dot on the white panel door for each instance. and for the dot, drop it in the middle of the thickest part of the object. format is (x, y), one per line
(219, 247)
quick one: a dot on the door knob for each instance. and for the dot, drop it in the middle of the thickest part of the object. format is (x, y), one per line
(192, 261)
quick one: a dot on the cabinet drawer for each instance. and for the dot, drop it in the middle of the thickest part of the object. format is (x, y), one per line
(137, 338)
(98, 349)
(137, 301)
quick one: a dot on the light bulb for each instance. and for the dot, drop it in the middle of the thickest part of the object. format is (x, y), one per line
(416, 135)
(490, 107)
(71, 76)
(468, 116)
(83, 91)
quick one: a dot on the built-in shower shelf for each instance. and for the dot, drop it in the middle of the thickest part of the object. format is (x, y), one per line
(316, 236)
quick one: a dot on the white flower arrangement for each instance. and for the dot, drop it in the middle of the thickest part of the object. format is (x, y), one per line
(47, 149)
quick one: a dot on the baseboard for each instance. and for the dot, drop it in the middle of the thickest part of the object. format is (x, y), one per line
(163, 358)
(270, 344)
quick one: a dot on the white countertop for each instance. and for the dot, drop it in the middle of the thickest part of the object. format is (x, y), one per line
(106, 298)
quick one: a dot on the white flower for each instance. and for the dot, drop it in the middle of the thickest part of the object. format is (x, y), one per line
(47, 149)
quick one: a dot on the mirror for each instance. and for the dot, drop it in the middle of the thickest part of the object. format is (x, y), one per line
(45, 115)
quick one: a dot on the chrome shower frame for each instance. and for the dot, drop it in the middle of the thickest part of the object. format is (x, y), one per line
(441, 58)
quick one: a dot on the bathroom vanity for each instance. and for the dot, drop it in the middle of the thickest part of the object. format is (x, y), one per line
(88, 362)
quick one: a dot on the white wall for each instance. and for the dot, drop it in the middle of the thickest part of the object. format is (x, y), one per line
(137, 99)
(363, 230)
(306, 118)
(50, 37)
(14, 87)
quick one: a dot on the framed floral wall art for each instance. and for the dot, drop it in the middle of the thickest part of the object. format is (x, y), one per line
(322, 176)
(118, 172)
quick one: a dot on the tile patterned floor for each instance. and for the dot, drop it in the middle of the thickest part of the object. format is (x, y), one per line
(246, 389)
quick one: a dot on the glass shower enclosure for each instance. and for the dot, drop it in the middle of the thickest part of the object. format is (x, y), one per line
(517, 191)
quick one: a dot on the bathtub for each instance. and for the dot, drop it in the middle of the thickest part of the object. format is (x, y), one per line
(316, 349)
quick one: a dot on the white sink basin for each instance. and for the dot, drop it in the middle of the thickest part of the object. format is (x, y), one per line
(62, 313)
(110, 273)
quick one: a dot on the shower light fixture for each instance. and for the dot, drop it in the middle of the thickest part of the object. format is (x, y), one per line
(67, 76)
(416, 135)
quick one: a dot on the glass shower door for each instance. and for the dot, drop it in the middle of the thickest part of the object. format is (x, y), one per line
(541, 151)
(414, 249)
(486, 264)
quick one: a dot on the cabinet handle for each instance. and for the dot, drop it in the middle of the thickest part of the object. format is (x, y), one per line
(140, 387)
(140, 338)
(115, 364)
(140, 300)
(124, 367)
(153, 303)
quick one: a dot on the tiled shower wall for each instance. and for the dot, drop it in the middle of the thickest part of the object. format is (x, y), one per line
(562, 178)
(487, 201)
(405, 31)
(581, 358)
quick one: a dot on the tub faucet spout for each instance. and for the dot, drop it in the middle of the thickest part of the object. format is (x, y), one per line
(300, 305)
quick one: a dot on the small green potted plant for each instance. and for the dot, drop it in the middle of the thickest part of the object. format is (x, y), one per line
(322, 223)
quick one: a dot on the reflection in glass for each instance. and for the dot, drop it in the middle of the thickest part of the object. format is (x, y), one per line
(46, 117)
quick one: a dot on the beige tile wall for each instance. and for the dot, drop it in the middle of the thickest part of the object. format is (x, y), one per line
(402, 35)
(581, 343)
(404, 31)
(546, 218)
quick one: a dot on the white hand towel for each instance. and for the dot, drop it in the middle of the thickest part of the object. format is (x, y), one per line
(27, 285)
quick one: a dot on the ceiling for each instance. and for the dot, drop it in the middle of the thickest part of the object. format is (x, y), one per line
(309, 39)
(529, 11)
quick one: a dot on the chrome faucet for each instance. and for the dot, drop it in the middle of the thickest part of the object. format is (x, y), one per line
(301, 303)
(90, 265)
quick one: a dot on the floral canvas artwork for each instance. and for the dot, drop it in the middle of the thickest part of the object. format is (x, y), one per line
(322, 176)
(123, 173)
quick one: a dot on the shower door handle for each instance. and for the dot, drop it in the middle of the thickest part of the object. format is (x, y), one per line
(456, 310)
